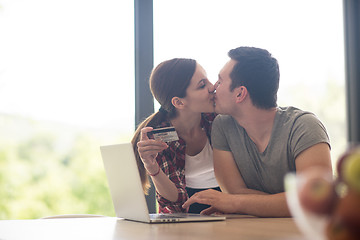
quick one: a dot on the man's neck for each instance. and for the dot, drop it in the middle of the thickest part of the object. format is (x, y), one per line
(258, 124)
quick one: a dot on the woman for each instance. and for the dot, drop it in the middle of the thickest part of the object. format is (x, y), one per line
(180, 168)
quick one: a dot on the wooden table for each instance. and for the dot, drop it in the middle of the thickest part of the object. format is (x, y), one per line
(242, 227)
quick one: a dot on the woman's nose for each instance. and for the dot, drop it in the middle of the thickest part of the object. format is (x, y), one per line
(211, 88)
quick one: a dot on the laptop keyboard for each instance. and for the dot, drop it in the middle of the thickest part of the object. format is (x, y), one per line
(165, 216)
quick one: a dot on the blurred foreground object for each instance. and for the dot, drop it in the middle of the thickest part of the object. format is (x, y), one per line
(325, 207)
(345, 220)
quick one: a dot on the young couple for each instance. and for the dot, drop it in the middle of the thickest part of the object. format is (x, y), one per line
(245, 151)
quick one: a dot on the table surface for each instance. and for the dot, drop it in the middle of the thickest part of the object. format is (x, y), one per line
(239, 227)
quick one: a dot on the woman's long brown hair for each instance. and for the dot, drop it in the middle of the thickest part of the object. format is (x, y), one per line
(169, 79)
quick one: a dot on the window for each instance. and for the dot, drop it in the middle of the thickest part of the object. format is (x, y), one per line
(306, 37)
(66, 87)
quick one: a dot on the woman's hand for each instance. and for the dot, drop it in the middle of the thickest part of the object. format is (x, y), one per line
(148, 150)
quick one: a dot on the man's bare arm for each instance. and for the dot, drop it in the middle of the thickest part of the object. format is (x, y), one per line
(317, 155)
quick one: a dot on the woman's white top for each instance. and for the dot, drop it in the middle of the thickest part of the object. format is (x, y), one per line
(199, 169)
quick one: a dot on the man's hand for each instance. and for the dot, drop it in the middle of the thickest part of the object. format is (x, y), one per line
(219, 201)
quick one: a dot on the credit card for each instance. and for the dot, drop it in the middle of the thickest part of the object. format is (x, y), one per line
(166, 134)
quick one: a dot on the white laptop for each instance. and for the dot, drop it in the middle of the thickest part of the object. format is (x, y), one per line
(126, 189)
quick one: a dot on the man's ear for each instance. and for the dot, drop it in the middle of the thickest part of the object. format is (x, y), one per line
(177, 102)
(241, 93)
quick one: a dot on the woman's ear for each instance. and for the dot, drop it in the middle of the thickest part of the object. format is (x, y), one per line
(177, 102)
(241, 93)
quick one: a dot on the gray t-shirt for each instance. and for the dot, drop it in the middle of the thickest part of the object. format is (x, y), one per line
(294, 131)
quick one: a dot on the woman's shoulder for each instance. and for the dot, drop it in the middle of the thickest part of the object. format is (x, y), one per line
(209, 116)
(207, 121)
(165, 123)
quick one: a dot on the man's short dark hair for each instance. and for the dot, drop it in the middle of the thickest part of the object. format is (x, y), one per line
(258, 71)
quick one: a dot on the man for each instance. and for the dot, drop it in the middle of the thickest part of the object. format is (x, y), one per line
(255, 142)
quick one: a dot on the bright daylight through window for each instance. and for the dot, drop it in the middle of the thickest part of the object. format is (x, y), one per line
(306, 37)
(66, 87)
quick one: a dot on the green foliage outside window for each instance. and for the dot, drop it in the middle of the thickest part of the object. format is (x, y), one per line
(49, 169)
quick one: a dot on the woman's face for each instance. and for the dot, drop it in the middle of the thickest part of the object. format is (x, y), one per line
(200, 93)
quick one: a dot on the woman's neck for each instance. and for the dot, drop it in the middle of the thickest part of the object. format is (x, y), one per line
(187, 124)
(189, 129)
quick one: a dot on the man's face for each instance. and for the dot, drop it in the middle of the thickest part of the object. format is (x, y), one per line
(224, 98)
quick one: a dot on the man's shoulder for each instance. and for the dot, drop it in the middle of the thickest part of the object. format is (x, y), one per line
(296, 118)
(293, 114)
(225, 124)
(290, 110)
(223, 119)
